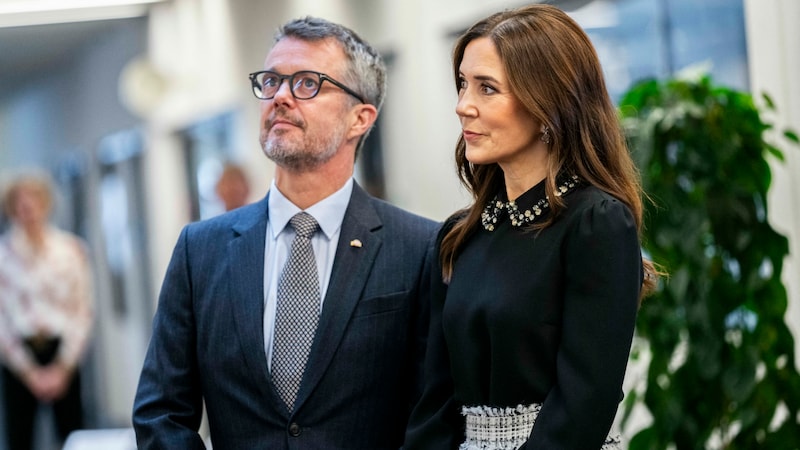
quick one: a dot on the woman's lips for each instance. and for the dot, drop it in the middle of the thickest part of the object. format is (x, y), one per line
(471, 135)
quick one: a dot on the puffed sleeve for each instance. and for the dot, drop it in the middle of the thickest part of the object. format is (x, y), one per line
(603, 267)
(80, 301)
(13, 352)
(435, 423)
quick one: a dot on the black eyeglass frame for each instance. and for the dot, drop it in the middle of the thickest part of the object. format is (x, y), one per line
(322, 78)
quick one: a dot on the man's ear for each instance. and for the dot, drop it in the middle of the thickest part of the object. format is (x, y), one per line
(365, 115)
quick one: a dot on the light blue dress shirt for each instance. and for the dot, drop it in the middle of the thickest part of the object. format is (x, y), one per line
(329, 213)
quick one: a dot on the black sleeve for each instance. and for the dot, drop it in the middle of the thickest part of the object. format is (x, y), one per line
(435, 423)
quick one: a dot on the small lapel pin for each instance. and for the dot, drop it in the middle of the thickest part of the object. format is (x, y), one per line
(355, 243)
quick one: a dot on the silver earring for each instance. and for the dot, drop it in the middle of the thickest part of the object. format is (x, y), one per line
(545, 135)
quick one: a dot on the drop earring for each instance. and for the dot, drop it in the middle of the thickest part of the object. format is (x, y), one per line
(545, 135)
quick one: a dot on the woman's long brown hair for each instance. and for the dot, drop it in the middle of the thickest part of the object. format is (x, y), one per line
(554, 71)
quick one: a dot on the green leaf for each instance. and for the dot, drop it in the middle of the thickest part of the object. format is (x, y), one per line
(703, 156)
(768, 101)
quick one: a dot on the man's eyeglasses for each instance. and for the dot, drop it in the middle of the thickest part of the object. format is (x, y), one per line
(303, 85)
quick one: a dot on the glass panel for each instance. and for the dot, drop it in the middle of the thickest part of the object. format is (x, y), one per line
(637, 39)
(207, 146)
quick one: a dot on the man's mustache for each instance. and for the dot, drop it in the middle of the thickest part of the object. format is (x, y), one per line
(279, 117)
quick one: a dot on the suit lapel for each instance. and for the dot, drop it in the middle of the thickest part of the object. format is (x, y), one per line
(351, 268)
(246, 258)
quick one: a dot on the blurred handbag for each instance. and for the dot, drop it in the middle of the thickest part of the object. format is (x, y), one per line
(44, 348)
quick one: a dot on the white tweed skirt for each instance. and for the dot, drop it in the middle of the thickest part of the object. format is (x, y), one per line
(490, 428)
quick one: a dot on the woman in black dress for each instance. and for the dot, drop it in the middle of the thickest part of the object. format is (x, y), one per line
(541, 277)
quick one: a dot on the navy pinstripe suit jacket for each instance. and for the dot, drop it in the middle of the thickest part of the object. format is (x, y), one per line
(363, 374)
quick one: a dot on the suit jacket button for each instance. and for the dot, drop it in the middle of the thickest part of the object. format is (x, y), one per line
(294, 430)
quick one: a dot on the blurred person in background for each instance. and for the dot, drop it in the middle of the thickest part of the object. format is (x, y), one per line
(46, 312)
(233, 187)
(299, 319)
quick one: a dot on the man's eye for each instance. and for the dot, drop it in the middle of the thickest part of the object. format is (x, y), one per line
(307, 83)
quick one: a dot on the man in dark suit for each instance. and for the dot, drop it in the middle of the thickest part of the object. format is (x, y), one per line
(220, 334)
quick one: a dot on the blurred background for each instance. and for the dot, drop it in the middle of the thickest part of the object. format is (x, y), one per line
(135, 107)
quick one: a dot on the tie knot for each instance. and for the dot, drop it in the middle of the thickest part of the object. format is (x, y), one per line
(304, 224)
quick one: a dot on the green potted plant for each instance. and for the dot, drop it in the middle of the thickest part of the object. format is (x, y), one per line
(722, 371)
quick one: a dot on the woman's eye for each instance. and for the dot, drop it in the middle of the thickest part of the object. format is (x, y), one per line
(486, 89)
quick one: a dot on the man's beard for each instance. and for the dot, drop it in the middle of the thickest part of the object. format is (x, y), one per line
(304, 155)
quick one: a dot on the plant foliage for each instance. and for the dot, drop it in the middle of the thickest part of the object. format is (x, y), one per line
(722, 372)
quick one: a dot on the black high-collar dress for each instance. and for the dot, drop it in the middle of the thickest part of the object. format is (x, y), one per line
(535, 317)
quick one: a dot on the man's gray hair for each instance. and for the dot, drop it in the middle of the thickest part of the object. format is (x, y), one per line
(366, 69)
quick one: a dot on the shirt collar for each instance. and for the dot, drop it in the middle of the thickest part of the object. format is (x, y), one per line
(328, 212)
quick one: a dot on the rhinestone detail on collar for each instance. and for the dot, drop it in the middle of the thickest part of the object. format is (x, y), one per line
(492, 211)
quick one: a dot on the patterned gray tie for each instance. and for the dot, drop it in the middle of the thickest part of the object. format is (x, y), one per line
(297, 311)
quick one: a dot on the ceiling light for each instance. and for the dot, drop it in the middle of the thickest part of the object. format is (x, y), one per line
(18, 13)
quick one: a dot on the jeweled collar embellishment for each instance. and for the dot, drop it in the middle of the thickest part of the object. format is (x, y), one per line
(492, 211)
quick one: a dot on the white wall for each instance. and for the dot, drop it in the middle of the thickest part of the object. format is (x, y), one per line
(773, 47)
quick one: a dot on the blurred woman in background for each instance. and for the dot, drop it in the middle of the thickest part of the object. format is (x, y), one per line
(46, 312)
